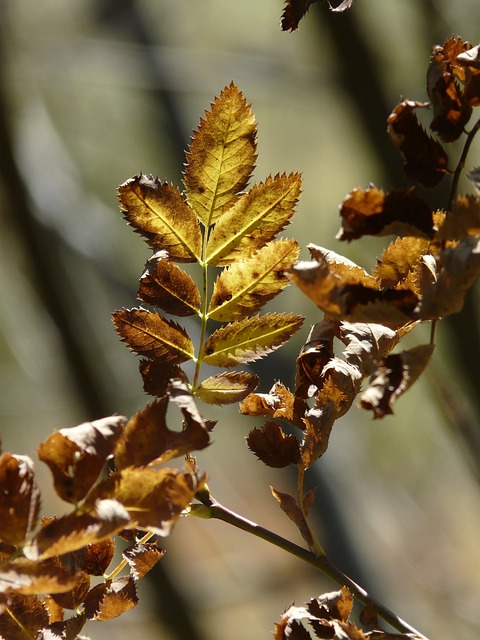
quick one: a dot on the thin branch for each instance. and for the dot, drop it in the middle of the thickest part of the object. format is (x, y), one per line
(213, 509)
(461, 164)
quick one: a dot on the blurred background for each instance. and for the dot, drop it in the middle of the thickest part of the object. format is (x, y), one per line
(95, 91)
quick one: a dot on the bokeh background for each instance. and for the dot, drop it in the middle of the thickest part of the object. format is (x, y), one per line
(95, 91)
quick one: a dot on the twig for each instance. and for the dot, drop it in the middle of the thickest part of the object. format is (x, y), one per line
(461, 163)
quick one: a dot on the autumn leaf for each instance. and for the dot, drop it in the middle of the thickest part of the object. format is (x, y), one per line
(315, 353)
(249, 339)
(425, 158)
(29, 577)
(221, 157)
(157, 375)
(393, 377)
(469, 60)
(273, 446)
(247, 285)
(150, 335)
(159, 213)
(226, 388)
(296, 9)
(279, 403)
(148, 440)
(76, 456)
(19, 498)
(290, 506)
(110, 599)
(254, 220)
(163, 284)
(400, 258)
(372, 212)
(141, 558)
(73, 598)
(463, 220)
(23, 617)
(97, 556)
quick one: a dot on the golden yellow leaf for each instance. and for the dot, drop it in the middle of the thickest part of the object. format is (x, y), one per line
(159, 213)
(163, 284)
(462, 221)
(221, 157)
(249, 339)
(254, 219)
(399, 258)
(248, 284)
(150, 335)
(227, 388)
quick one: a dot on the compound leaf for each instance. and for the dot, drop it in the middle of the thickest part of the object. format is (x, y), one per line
(150, 335)
(248, 284)
(254, 219)
(221, 156)
(159, 213)
(249, 339)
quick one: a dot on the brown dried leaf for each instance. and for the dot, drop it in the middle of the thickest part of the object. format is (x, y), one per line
(23, 617)
(469, 60)
(247, 285)
(150, 335)
(147, 439)
(157, 375)
(73, 599)
(336, 605)
(19, 498)
(254, 220)
(463, 220)
(221, 157)
(279, 403)
(315, 353)
(159, 213)
(64, 630)
(227, 388)
(249, 339)
(399, 259)
(460, 269)
(318, 422)
(163, 284)
(97, 557)
(142, 557)
(293, 12)
(77, 530)
(76, 456)
(29, 577)
(273, 446)
(290, 506)
(425, 158)
(372, 212)
(111, 599)
(393, 377)
(450, 109)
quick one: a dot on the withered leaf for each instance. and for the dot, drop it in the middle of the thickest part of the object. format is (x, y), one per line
(29, 577)
(393, 377)
(158, 211)
(98, 556)
(23, 617)
(19, 498)
(294, 11)
(425, 158)
(366, 344)
(249, 339)
(221, 157)
(470, 61)
(290, 506)
(142, 557)
(460, 269)
(76, 456)
(463, 220)
(279, 403)
(336, 605)
(157, 374)
(111, 599)
(73, 598)
(154, 498)
(147, 439)
(451, 110)
(254, 220)
(318, 427)
(163, 284)
(400, 258)
(372, 212)
(68, 629)
(273, 446)
(247, 285)
(150, 335)
(315, 353)
(227, 388)
(77, 530)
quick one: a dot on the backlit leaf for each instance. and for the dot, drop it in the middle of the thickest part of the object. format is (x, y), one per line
(273, 446)
(227, 388)
(399, 259)
(97, 557)
(141, 558)
(249, 339)
(221, 157)
(147, 439)
(163, 284)
(29, 577)
(76, 456)
(372, 212)
(294, 12)
(279, 403)
(290, 506)
(316, 352)
(23, 617)
(77, 530)
(470, 63)
(73, 599)
(393, 377)
(19, 498)
(254, 219)
(318, 427)
(425, 158)
(463, 220)
(157, 211)
(157, 374)
(111, 599)
(150, 335)
(247, 285)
